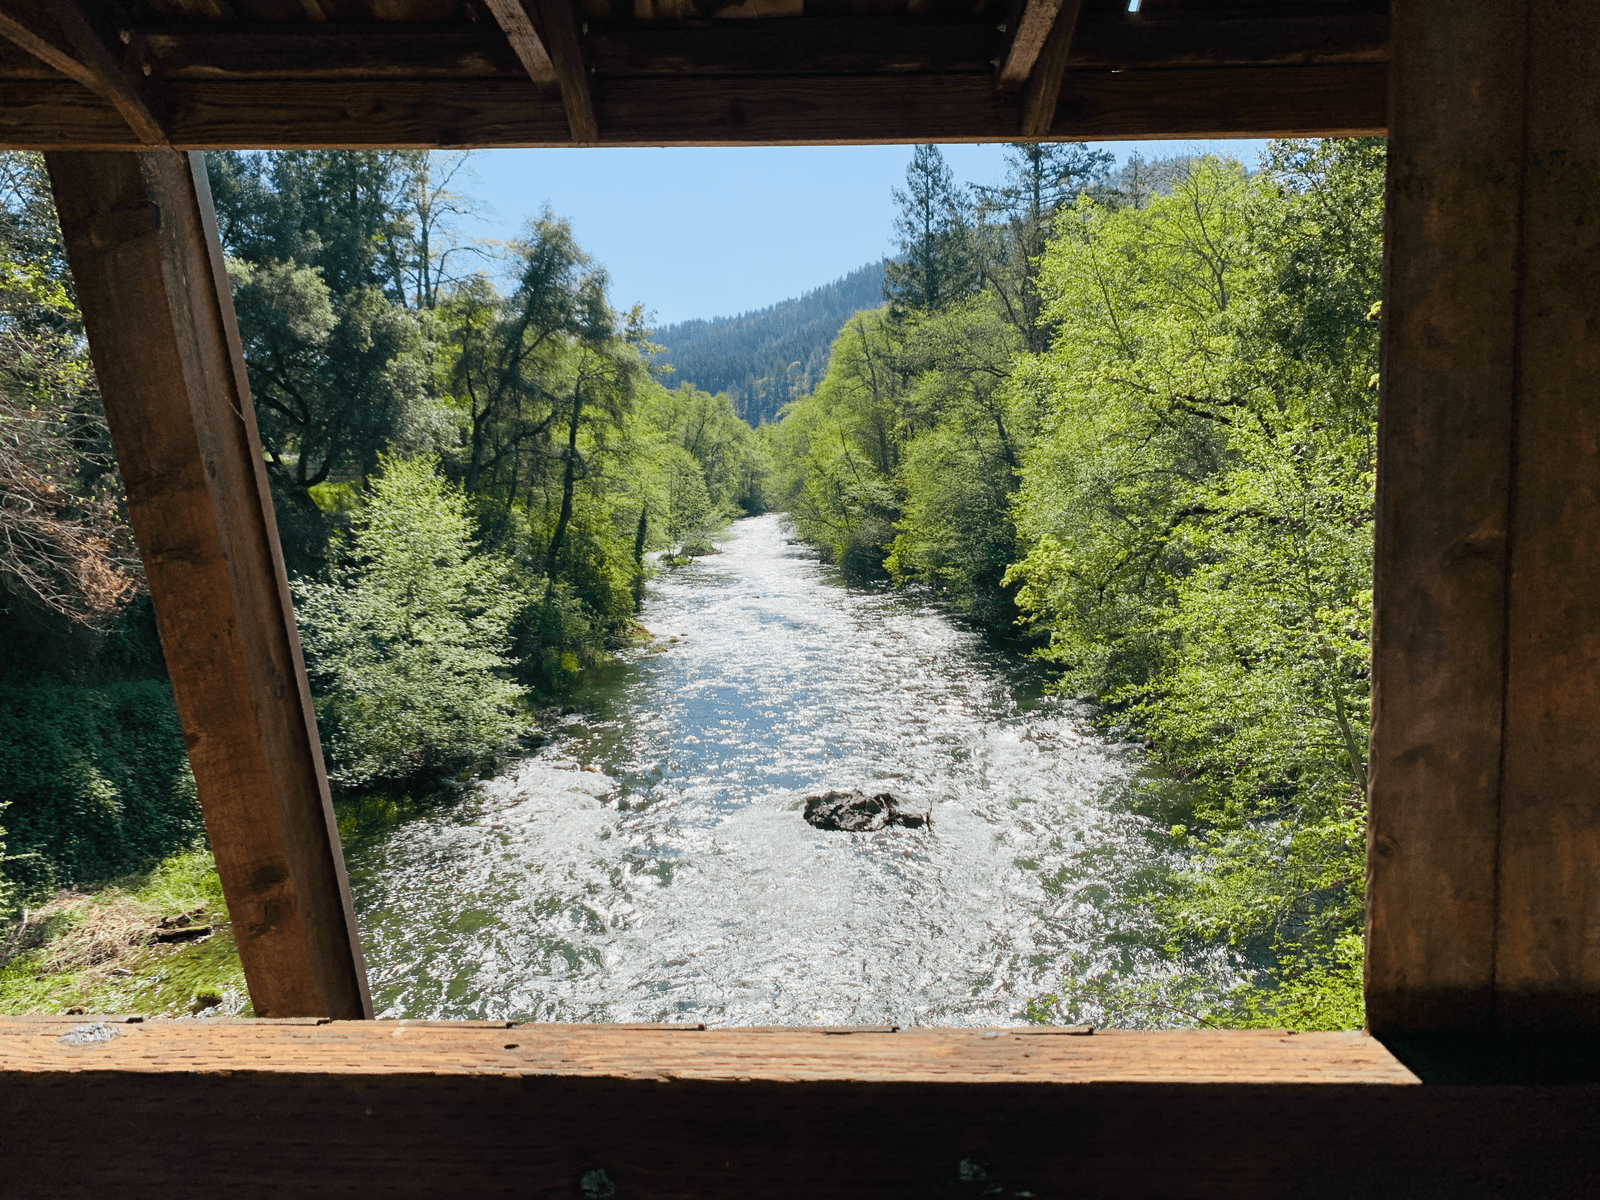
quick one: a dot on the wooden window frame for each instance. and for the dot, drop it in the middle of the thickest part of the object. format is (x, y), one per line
(1483, 968)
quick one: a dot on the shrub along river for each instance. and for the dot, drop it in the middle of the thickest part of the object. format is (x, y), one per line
(652, 863)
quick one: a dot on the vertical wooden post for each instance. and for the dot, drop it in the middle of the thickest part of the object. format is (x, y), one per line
(1484, 840)
(142, 242)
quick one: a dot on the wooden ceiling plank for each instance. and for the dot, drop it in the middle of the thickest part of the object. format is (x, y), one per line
(1260, 41)
(1323, 101)
(793, 47)
(1033, 31)
(64, 35)
(1044, 81)
(553, 50)
(269, 51)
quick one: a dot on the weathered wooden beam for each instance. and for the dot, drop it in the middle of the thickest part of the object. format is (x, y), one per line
(523, 39)
(1043, 90)
(428, 1109)
(1156, 41)
(64, 35)
(559, 27)
(333, 50)
(284, 114)
(775, 46)
(141, 239)
(1028, 42)
(1484, 839)
(795, 46)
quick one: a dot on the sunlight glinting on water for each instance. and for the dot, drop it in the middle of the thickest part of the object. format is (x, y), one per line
(652, 863)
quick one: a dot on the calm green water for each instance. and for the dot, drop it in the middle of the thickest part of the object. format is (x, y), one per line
(652, 863)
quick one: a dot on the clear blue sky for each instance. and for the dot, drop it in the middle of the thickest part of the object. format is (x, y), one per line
(713, 231)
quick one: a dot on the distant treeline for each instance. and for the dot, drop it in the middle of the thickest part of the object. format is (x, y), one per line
(766, 358)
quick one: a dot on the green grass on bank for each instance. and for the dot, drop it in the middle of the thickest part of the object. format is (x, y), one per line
(93, 949)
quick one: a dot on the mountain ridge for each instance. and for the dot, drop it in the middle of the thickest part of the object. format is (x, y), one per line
(764, 358)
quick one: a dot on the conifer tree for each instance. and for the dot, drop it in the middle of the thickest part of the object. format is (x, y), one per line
(935, 268)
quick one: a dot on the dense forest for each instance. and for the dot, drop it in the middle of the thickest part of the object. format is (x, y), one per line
(1122, 420)
(1130, 420)
(766, 358)
(467, 479)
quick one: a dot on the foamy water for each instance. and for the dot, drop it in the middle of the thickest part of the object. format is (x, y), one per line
(652, 863)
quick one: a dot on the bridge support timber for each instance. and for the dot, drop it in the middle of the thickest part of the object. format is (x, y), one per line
(1484, 835)
(142, 242)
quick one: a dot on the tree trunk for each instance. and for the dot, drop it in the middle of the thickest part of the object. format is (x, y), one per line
(568, 481)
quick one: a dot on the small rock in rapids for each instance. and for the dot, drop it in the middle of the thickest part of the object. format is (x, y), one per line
(857, 812)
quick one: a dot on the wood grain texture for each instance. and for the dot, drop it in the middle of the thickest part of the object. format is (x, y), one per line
(559, 27)
(779, 1054)
(387, 50)
(776, 46)
(1043, 90)
(43, 114)
(378, 1108)
(1178, 39)
(1028, 41)
(141, 240)
(524, 39)
(1445, 429)
(1547, 936)
(288, 114)
(795, 46)
(68, 37)
(1484, 835)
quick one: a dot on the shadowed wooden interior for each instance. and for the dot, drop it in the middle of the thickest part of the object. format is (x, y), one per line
(412, 73)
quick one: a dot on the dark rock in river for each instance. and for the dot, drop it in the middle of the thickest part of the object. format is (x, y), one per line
(857, 812)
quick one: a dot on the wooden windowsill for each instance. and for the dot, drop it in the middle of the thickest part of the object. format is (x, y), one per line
(374, 1049)
(418, 1108)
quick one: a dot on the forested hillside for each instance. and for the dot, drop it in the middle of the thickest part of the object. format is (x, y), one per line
(766, 358)
(1131, 419)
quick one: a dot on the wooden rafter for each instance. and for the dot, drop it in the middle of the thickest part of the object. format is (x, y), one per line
(1043, 90)
(553, 50)
(1032, 32)
(62, 34)
(515, 24)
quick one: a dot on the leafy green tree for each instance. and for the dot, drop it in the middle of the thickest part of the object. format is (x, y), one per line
(1197, 521)
(326, 247)
(841, 447)
(337, 211)
(337, 381)
(1014, 221)
(407, 641)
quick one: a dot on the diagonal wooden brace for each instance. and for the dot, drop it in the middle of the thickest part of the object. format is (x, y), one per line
(142, 241)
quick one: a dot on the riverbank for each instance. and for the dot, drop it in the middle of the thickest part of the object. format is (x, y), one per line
(157, 943)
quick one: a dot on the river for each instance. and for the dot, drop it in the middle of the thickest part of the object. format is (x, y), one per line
(651, 863)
